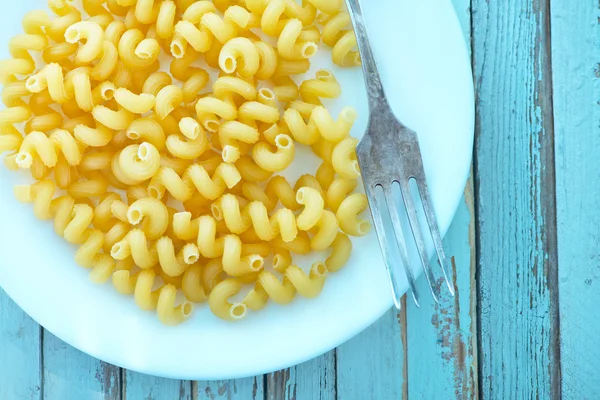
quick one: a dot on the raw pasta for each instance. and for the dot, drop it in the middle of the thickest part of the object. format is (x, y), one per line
(203, 213)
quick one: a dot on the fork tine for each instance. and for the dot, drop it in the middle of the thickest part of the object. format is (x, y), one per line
(383, 242)
(418, 236)
(400, 242)
(433, 228)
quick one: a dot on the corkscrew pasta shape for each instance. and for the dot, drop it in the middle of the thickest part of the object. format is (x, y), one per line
(165, 180)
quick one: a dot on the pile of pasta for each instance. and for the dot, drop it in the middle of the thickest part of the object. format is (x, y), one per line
(168, 188)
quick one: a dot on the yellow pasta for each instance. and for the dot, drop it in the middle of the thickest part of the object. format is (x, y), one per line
(93, 35)
(195, 178)
(192, 286)
(156, 82)
(224, 29)
(146, 11)
(165, 21)
(147, 130)
(250, 171)
(136, 163)
(239, 55)
(336, 34)
(323, 86)
(152, 214)
(344, 160)
(295, 280)
(341, 249)
(313, 204)
(347, 215)
(137, 104)
(277, 160)
(93, 137)
(267, 60)
(71, 221)
(290, 47)
(137, 51)
(116, 120)
(108, 62)
(167, 99)
(175, 264)
(285, 88)
(194, 156)
(339, 190)
(79, 79)
(233, 263)
(302, 132)
(192, 142)
(187, 33)
(219, 303)
(325, 175)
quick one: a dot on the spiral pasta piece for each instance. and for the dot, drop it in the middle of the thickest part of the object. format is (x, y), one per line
(324, 85)
(239, 55)
(347, 215)
(47, 148)
(137, 51)
(195, 178)
(226, 28)
(278, 189)
(172, 263)
(22, 63)
(136, 163)
(340, 253)
(152, 214)
(67, 15)
(136, 245)
(93, 35)
(255, 215)
(295, 280)
(338, 35)
(191, 143)
(290, 45)
(147, 130)
(219, 303)
(231, 133)
(71, 221)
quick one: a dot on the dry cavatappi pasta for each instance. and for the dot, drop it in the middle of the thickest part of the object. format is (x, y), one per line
(169, 180)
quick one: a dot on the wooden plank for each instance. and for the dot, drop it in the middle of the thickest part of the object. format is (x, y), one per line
(141, 386)
(234, 389)
(20, 367)
(71, 374)
(373, 364)
(576, 84)
(515, 199)
(444, 362)
(312, 380)
(445, 366)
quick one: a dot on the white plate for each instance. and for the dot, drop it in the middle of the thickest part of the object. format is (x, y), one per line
(425, 68)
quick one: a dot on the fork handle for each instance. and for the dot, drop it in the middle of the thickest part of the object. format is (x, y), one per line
(375, 92)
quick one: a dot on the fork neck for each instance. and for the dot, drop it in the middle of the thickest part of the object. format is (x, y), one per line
(375, 92)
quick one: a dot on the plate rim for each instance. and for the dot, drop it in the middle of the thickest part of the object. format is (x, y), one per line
(273, 363)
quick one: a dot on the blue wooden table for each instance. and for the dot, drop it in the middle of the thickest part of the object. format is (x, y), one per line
(525, 247)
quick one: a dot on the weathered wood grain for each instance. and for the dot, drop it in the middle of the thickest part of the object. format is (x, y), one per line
(20, 361)
(140, 386)
(373, 364)
(312, 380)
(445, 364)
(442, 348)
(514, 167)
(234, 389)
(576, 83)
(70, 374)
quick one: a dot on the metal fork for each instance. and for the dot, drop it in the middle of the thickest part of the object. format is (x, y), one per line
(389, 152)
